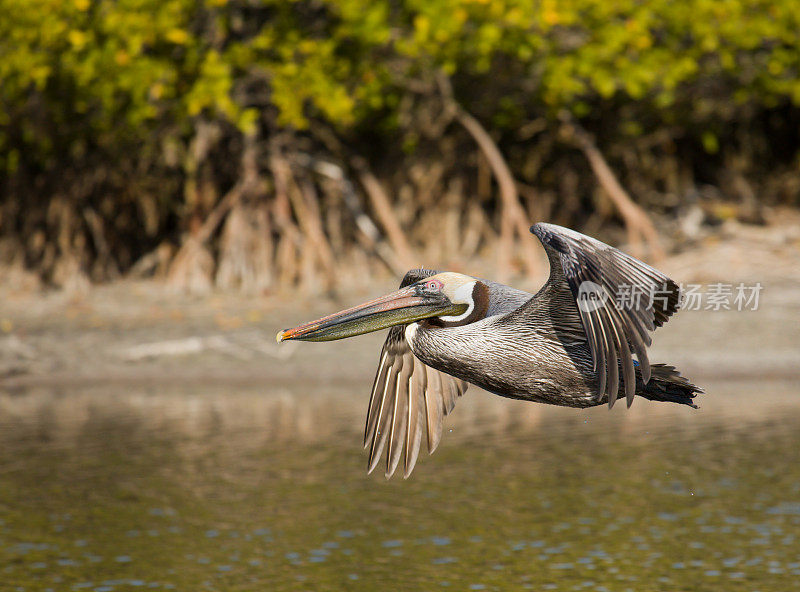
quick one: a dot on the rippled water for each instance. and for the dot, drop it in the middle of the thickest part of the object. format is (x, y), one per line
(116, 488)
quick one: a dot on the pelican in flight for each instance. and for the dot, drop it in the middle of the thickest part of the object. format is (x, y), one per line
(570, 344)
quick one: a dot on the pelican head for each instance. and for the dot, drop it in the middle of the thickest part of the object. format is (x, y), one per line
(447, 297)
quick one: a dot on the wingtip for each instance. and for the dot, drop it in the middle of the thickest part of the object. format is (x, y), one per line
(630, 391)
(374, 454)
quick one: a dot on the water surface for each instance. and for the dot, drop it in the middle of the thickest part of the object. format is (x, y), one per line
(128, 488)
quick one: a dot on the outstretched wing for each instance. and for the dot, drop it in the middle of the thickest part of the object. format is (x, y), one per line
(620, 301)
(406, 396)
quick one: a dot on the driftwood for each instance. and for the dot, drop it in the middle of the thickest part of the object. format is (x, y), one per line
(248, 351)
(154, 263)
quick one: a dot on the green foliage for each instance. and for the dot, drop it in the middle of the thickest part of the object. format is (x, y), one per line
(106, 93)
(101, 68)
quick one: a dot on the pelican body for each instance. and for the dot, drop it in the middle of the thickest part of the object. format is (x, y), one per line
(570, 344)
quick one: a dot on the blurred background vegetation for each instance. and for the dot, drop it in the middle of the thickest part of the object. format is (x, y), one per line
(252, 144)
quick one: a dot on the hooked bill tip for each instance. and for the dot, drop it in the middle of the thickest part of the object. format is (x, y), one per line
(279, 336)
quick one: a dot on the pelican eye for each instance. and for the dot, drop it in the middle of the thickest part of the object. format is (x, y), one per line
(434, 285)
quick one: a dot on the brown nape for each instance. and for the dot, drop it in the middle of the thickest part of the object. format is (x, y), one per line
(480, 296)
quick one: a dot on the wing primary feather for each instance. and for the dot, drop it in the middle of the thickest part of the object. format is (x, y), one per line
(406, 393)
(381, 429)
(613, 336)
(372, 410)
(399, 418)
(416, 396)
(641, 353)
(450, 394)
(644, 364)
(593, 338)
(624, 353)
(612, 382)
(602, 355)
(433, 405)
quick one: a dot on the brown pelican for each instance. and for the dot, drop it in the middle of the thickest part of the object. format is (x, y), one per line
(571, 344)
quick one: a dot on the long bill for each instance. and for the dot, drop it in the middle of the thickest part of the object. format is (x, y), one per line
(398, 308)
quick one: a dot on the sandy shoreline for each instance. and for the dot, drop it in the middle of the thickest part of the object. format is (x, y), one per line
(139, 333)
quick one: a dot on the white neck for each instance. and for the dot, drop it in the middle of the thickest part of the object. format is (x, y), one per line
(462, 295)
(411, 331)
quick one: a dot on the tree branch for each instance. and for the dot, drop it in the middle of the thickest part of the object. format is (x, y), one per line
(386, 216)
(637, 223)
(513, 215)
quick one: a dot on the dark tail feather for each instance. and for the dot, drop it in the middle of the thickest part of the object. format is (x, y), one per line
(667, 384)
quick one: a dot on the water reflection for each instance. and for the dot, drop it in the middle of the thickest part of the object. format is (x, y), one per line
(118, 488)
(260, 416)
